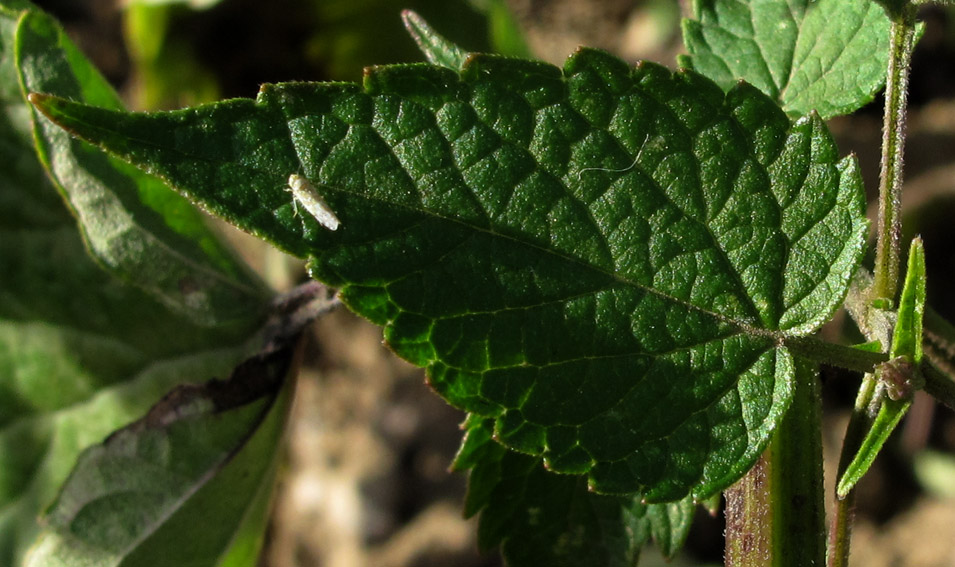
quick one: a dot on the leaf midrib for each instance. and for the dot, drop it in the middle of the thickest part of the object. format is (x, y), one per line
(743, 326)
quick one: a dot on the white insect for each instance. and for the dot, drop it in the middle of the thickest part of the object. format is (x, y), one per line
(305, 194)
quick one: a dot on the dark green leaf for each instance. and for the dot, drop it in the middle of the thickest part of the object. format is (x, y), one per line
(541, 518)
(538, 517)
(824, 55)
(606, 260)
(670, 524)
(175, 487)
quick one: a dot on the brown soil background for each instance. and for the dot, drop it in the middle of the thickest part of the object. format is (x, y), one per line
(365, 481)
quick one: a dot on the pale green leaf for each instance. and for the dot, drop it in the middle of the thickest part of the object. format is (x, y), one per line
(81, 353)
(133, 224)
(435, 47)
(175, 487)
(827, 56)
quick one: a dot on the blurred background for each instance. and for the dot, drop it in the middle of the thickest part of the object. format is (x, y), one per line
(366, 480)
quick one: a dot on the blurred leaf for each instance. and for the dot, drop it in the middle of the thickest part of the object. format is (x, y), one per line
(175, 487)
(935, 471)
(541, 518)
(81, 353)
(134, 224)
(167, 71)
(350, 35)
(506, 35)
(607, 261)
(194, 4)
(712, 504)
(824, 55)
(146, 25)
(670, 524)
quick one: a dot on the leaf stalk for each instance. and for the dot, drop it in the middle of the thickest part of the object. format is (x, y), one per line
(833, 354)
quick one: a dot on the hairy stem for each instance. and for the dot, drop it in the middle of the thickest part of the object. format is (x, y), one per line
(939, 386)
(835, 355)
(893, 138)
(775, 514)
(938, 347)
(885, 283)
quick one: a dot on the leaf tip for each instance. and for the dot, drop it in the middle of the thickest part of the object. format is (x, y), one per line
(41, 101)
(917, 245)
(436, 49)
(410, 19)
(843, 489)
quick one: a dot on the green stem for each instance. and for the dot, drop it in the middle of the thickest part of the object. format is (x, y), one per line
(939, 386)
(775, 514)
(885, 283)
(834, 354)
(938, 341)
(859, 422)
(902, 42)
(938, 347)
